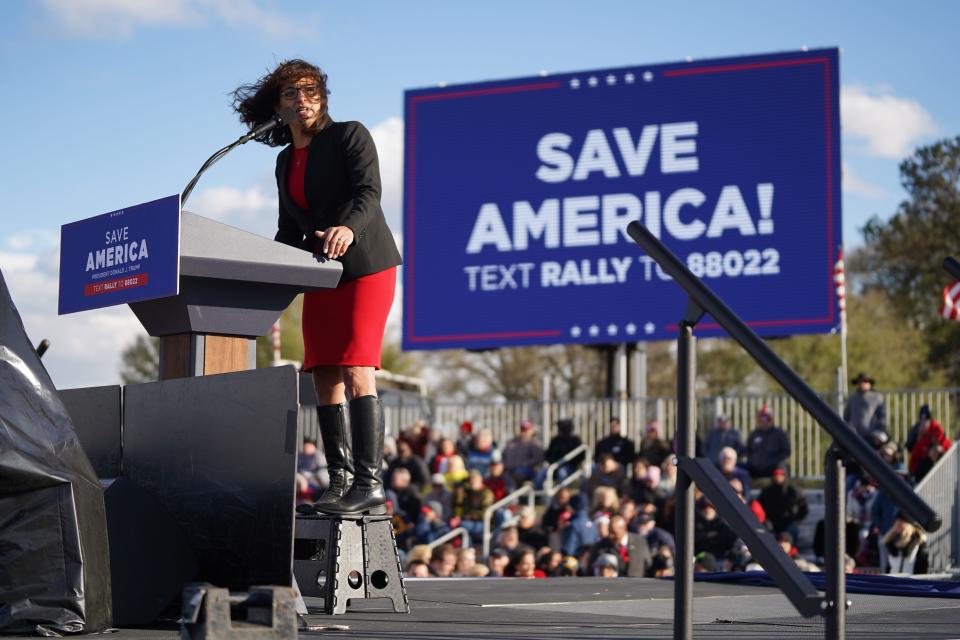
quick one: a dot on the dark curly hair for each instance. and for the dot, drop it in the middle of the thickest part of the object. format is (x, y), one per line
(256, 103)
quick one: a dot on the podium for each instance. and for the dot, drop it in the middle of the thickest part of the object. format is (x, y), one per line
(233, 287)
(217, 452)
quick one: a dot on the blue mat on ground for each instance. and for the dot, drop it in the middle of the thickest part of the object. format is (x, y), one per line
(856, 583)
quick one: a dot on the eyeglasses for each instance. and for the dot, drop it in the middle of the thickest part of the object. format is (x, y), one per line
(311, 91)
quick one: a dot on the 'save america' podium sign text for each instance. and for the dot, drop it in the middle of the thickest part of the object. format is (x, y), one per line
(120, 257)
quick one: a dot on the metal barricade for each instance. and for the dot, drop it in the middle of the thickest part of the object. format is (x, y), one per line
(941, 491)
(459, 532)
(549, 489)
(511, 498)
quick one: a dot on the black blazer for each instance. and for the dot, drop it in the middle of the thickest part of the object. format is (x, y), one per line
(342, 187)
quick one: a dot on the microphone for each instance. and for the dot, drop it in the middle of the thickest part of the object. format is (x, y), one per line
(283, 117)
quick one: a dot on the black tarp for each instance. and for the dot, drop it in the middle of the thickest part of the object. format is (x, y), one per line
(54, 558)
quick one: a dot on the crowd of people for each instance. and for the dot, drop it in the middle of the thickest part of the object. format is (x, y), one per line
(618, 520)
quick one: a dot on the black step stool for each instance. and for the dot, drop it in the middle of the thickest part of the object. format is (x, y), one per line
(341, 558)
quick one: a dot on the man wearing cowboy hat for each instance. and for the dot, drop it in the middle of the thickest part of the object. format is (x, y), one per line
(865, 411)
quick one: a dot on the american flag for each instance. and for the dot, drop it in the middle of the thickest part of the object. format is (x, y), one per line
(951, 296)
(840, 282)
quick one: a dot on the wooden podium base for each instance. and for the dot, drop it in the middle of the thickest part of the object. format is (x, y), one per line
(185, 355)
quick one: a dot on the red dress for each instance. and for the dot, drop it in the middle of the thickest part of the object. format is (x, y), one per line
(342, 326)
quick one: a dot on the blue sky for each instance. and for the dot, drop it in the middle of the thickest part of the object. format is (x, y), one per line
(114, 102)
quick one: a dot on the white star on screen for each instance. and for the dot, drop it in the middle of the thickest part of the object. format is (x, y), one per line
(647, 76)
(594, 330)
(611, 79)
(592, 81)
(612, 330)
(575, 331)
(575, 83)
(628, 78)
(649, 327)
(631, 328)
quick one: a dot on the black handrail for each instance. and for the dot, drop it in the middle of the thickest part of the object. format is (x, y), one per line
(952, 266)
(843, 435)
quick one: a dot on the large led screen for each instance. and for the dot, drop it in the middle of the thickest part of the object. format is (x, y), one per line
(517, 194)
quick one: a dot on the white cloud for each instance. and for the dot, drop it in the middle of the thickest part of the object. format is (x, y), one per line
(854, 184)
(388, 136)
(889, 126)
(30, 238)
(117, 19)
(246, 13)
(253, 209)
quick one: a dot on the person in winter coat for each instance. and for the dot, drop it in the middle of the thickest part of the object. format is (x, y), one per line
(523, 455)
(431, 524)
(865, 411)
(783, 503)
(768, 446)
(653, 448)
(727, 461)
(906, 548)
(470, 500)
(931, 433)
(710, 533)
(620, 447)
(563, 443)
(630, 549)
(579, 531)
(608, 473)
(722, 435)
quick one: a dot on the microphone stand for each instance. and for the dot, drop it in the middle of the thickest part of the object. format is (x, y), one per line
(206, 165)
(278, 119)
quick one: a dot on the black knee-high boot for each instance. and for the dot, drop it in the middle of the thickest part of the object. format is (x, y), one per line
(366, 428)
(337, 448)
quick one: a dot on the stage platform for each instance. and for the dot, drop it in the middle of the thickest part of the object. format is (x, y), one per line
(595, 608)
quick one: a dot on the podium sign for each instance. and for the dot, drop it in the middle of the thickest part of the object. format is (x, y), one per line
(123, 256)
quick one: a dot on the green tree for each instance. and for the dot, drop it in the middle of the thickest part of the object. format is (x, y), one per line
(140, 361)
(879, 342)
(723, 367)
(905, 253)
(516, 373)
(396, 360)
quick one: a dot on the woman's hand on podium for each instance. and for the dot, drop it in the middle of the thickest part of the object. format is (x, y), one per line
(336, 240)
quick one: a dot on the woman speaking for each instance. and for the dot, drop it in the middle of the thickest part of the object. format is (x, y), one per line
(328, 179)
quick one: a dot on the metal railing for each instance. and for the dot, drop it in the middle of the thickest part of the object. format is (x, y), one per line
(941, 490)
(549, 490)
(701, 300)
(511, 498)
(459, 532)
(591, 418)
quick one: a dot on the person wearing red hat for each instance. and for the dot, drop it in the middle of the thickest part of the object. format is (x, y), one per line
(783, 503)
(767, 447)
(465, 439)
(930, 437)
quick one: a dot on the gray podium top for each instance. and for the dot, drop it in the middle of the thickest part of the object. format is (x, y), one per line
(232, 282)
